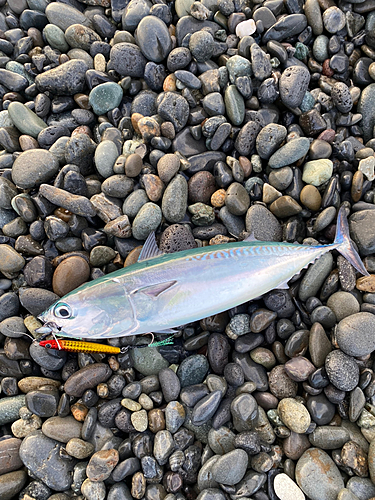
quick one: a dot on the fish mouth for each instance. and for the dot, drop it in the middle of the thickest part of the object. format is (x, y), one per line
(49, 328)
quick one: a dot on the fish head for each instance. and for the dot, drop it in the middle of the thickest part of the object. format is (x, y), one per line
(90, 312)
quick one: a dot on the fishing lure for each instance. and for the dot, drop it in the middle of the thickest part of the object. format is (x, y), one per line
(81, 346)
(162, 291)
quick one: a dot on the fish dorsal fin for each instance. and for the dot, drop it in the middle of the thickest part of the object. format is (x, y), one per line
(251, 237)
(150, 249)
(283, 286)
(156, 289)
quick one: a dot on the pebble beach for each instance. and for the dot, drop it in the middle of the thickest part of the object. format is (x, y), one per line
(204, 122)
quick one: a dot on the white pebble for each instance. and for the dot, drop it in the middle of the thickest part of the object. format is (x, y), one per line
(286, 489)
(246, 28)
(367, 167)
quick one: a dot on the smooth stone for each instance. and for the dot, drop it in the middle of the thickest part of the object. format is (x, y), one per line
(93, 489)
(231, 467)
(235, 105)
(192, 370)
(206, 407)
(221, 440)
(62, 429)
(11, 484)
(174, 200)
(317, 172)
(26, 121)
(106, 155)
(65, 15)
(153, 38)
(315, 276)
(101, 464)
(147, 220)
(342, 370)
(41, 455)
(69, 274)
(86, 378)
(363, 231)
(269, 139)
(362, 487)
(285, 27)
(290, 153)
(263, 224)
(37, 300)
(148, 361)
(79, 449)
(343, 304)
(9, 408)
(355, 334)
(294, 415)
(319, 345)
(66, 79)
(365, 107)
(105, 97)
(329, 437)
(312, 481)
(286, 489)
(10, 260)
(170, 384)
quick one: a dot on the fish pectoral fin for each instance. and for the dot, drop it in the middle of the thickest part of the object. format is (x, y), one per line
(283, 286)
(150, 249)
(157, 289)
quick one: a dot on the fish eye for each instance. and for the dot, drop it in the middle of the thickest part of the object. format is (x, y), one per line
(62, 311)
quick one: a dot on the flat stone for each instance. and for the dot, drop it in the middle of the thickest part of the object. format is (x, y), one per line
(317, 172)
(105, 97)
(153, 38)
(355, 334)
(41, 455)
(317, 475)
(25, 120)
(286, 489)
(290, 153)
(231, 467)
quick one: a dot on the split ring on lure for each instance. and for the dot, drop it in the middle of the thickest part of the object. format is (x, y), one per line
(163, 291)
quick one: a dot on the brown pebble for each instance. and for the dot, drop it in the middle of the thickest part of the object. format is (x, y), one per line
(366, 283)
(295, 445)
(27, 142)
(285, 206)
(154, 186)
(133, 165)
(246, 165)
(218, 198)
(357, 185)
(148, 128)
(156, 420)
(169, 84)
(82, 129)
(101, 464)
(327, 71)
(135, 119)
(311, 198)
(82, 100)
(201, 187)
(63, 214)
(71, 273)
(167, 130)
(79, 411)
(353, 456)
(132, 257)
(219, 239)
(327, 135)
(138, 486)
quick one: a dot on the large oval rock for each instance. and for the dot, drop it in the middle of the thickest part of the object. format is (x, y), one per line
(66, 79)
(86, 378)
(355, 334)
(366, 106)
(153, 38)
(41, 455)
(33, 167)
(317, 475)
(174, 200)
(128, 60)
(293, 84)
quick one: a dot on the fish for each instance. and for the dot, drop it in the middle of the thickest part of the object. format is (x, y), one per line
(161, 292)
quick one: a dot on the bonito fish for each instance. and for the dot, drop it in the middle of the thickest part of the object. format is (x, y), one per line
(162, 291)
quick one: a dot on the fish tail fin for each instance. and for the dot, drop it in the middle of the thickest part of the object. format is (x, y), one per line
(344, 244)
